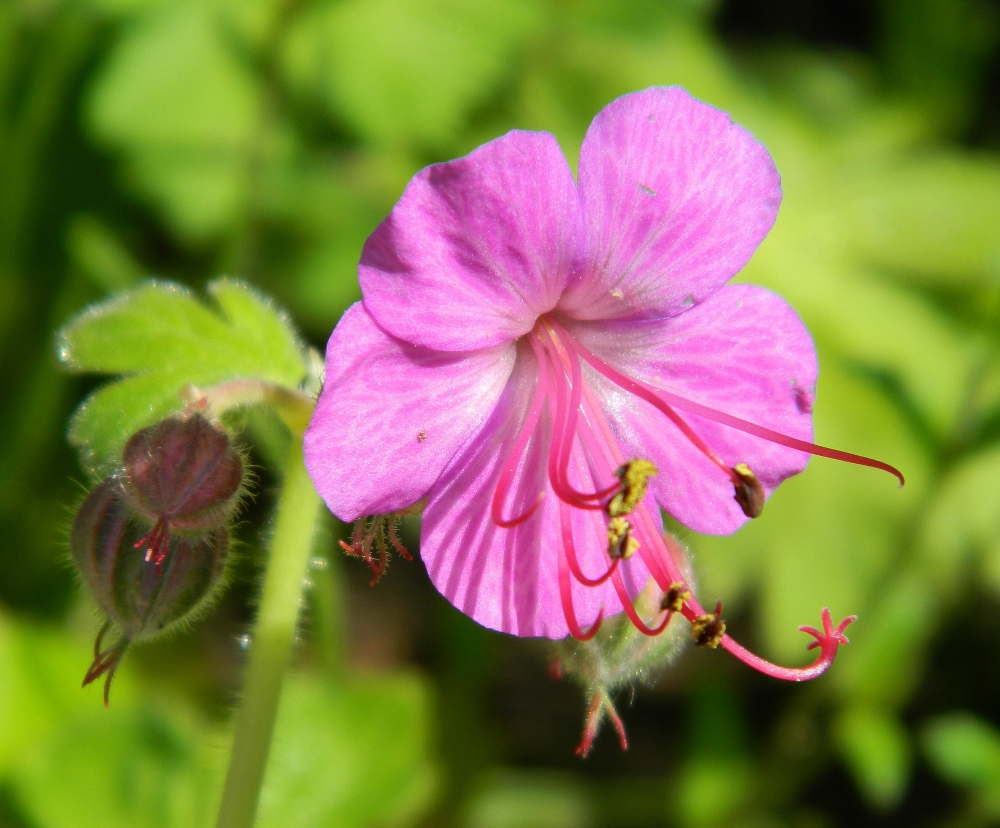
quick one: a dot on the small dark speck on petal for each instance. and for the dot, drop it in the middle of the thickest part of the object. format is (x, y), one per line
(652, 118)
(688, 301)
(803, 399)
(647, 190)
(421, 436)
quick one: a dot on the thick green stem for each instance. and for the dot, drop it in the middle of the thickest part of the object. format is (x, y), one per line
(298, 511)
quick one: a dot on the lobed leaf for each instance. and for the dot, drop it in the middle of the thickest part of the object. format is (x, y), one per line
(161, 339)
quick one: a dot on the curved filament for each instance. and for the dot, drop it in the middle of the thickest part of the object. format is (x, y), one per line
(569, 422)
(514, 456)
(566, 525)
(632, 614)
(566, 418)
(662, 400)
(566, 596)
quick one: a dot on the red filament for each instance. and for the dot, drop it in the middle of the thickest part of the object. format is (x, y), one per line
(582, 439)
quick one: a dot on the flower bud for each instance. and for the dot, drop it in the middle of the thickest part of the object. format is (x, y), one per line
(140, 601)
(182, 473)
(182, 469)
(175, 494)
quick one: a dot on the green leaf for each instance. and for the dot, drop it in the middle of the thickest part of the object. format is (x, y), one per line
(932, 220)
(99, 254)
(187, 114)
(533, 799)
(40, 674)
(351, 755)
(402, 69)
(965, 750)
(876, 747)
(124, 767)
(162, 339)
(964, 519)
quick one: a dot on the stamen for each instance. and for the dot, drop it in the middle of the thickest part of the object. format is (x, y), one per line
(675, 596)
(708, 630)
(634, 477)
(665, 572)
(662, 400)
(621, 544)
(566, 418)
(750, 493)
(633, 616)
(607, 455)
(157, 544)
(560, 384)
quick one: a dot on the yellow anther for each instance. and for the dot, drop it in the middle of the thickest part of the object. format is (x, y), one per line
(707, 630)
(621, 544)
(634, 476)
(674, 597)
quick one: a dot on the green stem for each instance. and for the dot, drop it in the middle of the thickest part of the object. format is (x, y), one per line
(328, 607)
(298, 512)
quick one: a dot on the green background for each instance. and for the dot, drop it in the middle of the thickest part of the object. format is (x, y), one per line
(263, 140)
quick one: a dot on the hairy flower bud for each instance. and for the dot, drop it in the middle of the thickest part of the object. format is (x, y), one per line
(175, 494)
(182, 473)
(182, 469)
(137, 599)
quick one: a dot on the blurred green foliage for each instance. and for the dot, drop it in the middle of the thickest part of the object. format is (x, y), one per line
(265, 139)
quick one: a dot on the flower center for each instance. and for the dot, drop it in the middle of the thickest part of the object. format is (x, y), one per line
(582, 442)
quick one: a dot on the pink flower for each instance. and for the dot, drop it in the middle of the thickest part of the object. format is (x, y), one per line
(547, 364)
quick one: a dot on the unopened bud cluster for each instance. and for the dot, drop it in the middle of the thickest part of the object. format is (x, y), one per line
(152, 541)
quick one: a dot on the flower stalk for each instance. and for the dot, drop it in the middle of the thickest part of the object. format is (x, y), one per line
(295, 524)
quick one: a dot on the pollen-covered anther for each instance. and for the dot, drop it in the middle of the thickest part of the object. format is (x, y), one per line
(621, 544)
(674, 598)
(707, 630)
(634, 477)
(749, 491)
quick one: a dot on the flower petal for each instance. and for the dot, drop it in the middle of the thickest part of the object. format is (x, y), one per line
(507, 579)
(391, 415)
(476, 248)
(743, 351)
(676, 198)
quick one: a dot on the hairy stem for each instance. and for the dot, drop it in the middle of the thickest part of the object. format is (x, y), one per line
(298, 512)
